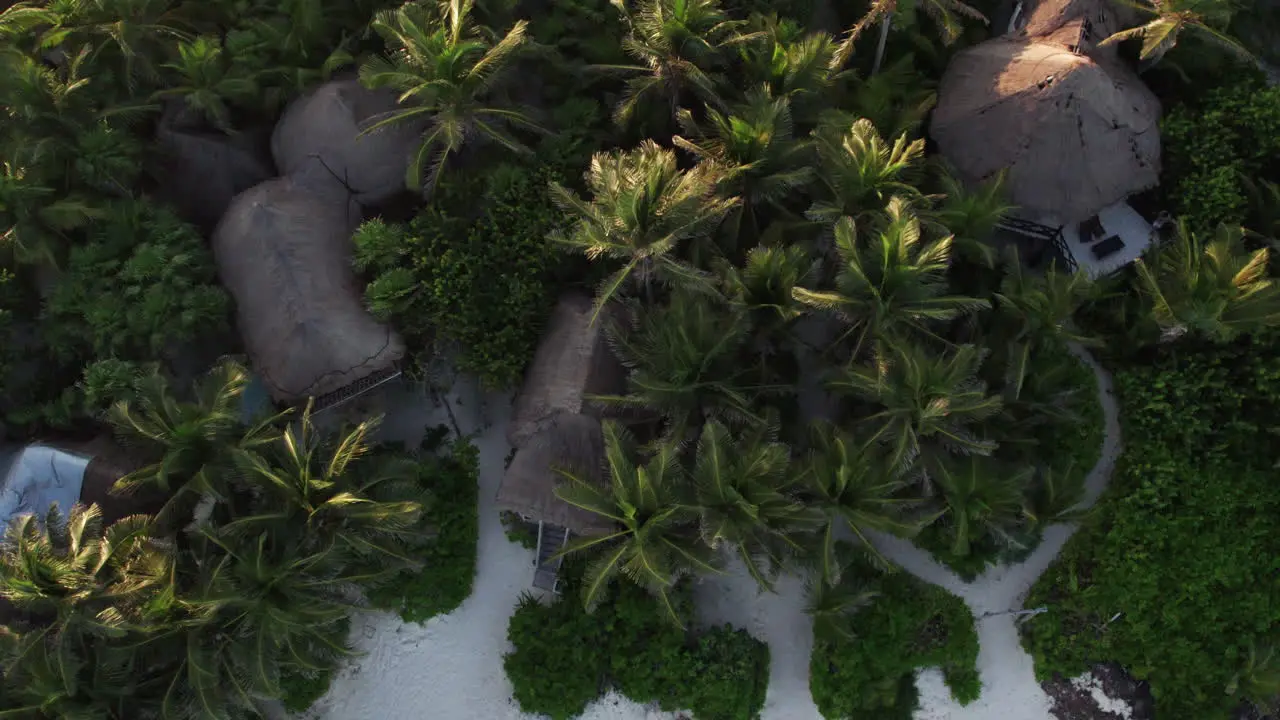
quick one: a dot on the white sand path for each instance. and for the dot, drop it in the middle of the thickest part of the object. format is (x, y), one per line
(451, 668)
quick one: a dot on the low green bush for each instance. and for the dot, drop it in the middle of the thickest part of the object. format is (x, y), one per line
(910, 625)
(1174, 576)
(449, 560)
(475, 269)
(564, 657)
(1213, 145)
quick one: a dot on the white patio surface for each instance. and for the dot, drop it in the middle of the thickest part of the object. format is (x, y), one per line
(1117, 219)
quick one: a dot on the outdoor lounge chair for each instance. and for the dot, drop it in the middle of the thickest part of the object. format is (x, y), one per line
(1091, 230)
(1108, 247)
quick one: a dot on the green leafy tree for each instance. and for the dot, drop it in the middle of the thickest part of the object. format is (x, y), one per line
(34, 221)
(971, 215)
(445, 68)
(642, 208)
(764, 288)
(834, 605)
(1258, 679)
(126, 35)
(684, 365)
(926, 401)
(654, 543)
(894, 287)
(859, 172)
(743, 494)
(678, 45)
(789, 62)
(1171, 18)
(853, 486)
(1216, 289)
(1055, 497)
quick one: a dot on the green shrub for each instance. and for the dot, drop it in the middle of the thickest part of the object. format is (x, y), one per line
(910, 625)
(482, 280)
(300, 689)
(143, 283)
(1174, 576)
(449, 561)
(564, 657)
(1211, 146)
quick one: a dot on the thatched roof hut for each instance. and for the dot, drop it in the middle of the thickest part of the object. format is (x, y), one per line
(567, 441)
(1075, 133)
(284, 252)
(572, 363)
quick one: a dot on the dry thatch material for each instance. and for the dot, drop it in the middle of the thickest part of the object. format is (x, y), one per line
(572, 362)
(326, 127)
(1075, 133)
(567, 441)
(283, 251)
(1047, 17)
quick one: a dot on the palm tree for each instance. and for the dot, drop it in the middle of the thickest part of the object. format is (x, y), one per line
(971, 215)
(1173, 17)
(329, 495)
(861, 172)
(893, 288)
(1055, 496)
(685, 365)
(90, 589)
(790, 62)
(761, 160)
(677, 44)
(946, 14)
(654, 543)
(84, 579)
(208, 81)
(194, 439)
(1258, 679)
(742, 494)
(833, 604)
(852, 485)
(1216, 290)
(896, 100)
(127, 34)
(1035, 312)
(445, 68)
(981, 499)
(35, 221)
(926, 399)
(764, 288)
(643, 207)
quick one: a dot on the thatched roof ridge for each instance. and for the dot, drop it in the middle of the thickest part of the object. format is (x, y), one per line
(571, 442)
(1075, 133)
(573, 362)
(1047, 17)
(283, 250)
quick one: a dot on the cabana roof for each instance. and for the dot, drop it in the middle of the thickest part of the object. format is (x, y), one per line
(573, 362)
(1075, 133)
(284, 252)
(567, 441)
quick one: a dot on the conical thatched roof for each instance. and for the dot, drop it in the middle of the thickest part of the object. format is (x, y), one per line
(568, 441)
(1075, 133)
(283, 251)
(573, 362)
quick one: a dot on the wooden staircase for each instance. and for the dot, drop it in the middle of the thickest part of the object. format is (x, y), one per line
(551, 540)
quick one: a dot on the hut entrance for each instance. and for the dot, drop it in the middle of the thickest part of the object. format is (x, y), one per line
(551, 540)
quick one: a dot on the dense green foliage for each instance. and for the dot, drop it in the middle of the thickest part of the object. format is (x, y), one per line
(1216, 145)
(868, 674)
(475, 270)
(449, 557)
(1187, 523)
(564, 658)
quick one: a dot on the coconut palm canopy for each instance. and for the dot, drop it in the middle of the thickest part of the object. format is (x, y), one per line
(1075, 133)
(283, 251)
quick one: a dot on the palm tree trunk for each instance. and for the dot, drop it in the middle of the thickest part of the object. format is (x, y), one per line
(884, 38)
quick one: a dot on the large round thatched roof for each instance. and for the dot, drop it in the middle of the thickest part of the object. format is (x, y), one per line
(283, 251)
(1075, 133)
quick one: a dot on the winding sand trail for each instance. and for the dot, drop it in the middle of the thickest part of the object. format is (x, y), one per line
(451, 668)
